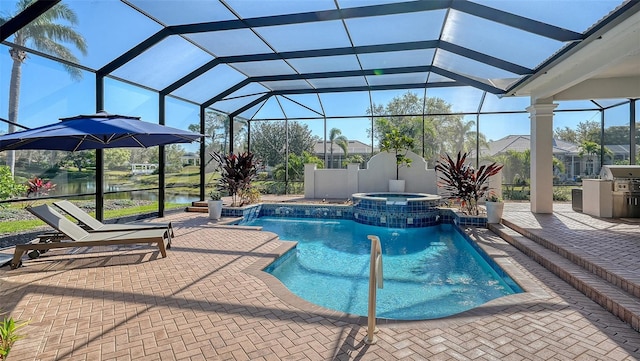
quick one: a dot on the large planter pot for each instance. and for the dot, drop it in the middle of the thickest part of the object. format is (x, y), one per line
(215, 209)
(494, 211)
(396, 185)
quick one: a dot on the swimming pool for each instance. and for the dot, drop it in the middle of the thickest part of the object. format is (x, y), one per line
(429, 272)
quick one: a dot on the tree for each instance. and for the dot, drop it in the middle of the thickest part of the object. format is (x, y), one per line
(173, 158)
(588, 130)
(81, 159)
(463, 136)
(216, 129)
(296, 166)
(400, 113)
(619, 134)
(558, 166)
(591, 150)
(336, 137)
(269, 140)
(353, 159)
(400, 144)
(143, 155)
(567, 134)
(519, 166)
(117, 157)
(433, 134)
(45, 34)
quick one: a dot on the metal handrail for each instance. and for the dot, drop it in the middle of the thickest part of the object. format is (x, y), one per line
(375, 281)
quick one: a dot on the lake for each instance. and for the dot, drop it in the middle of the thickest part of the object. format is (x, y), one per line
(119, 190)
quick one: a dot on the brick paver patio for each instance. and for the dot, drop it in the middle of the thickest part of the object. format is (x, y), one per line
(208, 301)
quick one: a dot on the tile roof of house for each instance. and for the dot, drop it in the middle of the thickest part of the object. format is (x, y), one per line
(520, 143)
(355, 147)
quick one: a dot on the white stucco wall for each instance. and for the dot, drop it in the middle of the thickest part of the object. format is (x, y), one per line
(342, 183)
(380, 168)
(331, 183)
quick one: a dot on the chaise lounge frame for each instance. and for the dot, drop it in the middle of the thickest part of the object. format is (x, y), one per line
(78, 237)
(93, 225)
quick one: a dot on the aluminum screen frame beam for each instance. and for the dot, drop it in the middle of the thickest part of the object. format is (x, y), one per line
(28, 15)
(382, 48)
(459, 80)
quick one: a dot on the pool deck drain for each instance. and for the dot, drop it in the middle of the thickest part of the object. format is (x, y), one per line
(206, 301)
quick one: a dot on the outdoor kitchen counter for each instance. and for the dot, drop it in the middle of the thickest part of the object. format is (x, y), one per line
(597, 197)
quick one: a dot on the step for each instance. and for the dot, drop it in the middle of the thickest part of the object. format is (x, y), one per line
(197, 209)
(612, 298)
(585, 263)
(198, 206)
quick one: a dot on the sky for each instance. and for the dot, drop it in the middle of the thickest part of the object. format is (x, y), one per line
(48, 93)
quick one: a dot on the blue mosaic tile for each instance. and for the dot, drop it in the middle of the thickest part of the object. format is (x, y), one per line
(248, 212)
(365, 212)
(395, 213)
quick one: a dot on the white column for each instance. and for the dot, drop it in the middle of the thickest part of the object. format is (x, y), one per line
(542, 155)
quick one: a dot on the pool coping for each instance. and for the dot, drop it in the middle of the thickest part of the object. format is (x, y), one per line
(495, 248)
(348, 212)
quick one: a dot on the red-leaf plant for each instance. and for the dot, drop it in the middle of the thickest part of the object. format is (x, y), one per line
(236, 174)
(463, 182)
(38, 187)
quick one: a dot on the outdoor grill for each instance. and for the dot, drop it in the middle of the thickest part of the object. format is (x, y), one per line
(626, 189)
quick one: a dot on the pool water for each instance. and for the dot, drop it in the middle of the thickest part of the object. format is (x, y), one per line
(429, 272)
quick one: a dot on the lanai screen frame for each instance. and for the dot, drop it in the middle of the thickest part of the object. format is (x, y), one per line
(516, 21)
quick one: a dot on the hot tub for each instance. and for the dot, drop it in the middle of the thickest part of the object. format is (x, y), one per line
(397, 210)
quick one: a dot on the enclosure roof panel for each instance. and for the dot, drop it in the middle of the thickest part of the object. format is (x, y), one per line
(204, 51)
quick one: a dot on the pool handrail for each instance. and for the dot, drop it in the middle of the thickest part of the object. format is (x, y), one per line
(375, 281)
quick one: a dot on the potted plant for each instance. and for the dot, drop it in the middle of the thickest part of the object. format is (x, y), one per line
(236, 174)
(398, 143)
(495, 208)
(215, 205)
(463, 182)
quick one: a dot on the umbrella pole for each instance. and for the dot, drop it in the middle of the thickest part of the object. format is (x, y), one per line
(100, 184)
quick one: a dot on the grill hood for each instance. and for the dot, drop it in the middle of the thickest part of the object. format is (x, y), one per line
(611, 172)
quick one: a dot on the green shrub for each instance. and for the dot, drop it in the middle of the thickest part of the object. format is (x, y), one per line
(8, 186)
(516, 195)
(273, 187)
(561, 195)
(9, 335)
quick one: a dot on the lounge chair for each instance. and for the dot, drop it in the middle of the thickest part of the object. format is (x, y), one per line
(93, 224)
(78, 237)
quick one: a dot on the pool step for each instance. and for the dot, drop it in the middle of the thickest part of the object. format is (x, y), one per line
(611, 297)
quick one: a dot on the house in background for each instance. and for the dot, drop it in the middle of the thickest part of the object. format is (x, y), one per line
(355, 147)
(575, 165)
(143, 168)
(190, 158)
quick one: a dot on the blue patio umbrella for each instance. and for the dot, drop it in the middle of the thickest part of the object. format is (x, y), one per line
(96, 131)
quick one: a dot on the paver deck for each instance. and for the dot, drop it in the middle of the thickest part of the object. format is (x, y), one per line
(208, 301)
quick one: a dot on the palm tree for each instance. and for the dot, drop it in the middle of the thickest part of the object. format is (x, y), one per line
(48, 36)
(462, 133)
(590, 149)
(336, 137)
